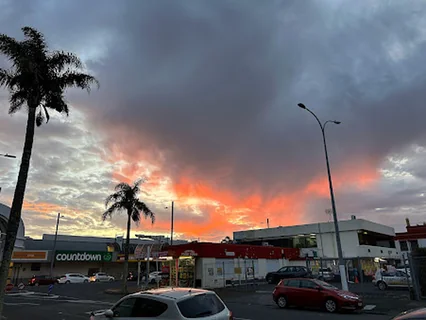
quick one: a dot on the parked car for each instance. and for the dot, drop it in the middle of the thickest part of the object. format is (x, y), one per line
(314, 293)
(73, 278)
(41, 280)
(419, 313)
(153, 277)
(383, 280)
(101, 276)
(324, 274)
(288, 272)
(168, 303)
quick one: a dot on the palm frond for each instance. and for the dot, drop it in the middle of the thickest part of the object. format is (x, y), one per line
(122, 186)
(115, 197)
(115, 207)
(17, 100)
(11, 48)
(59, 60)
(6, 77)
(142, 207)
(35, 37)
(136, 185)
(135, 215)
(54, 100)
(78, 80)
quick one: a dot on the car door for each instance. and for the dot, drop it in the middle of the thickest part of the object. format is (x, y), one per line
(292, 291)
(101, 276)
(400, 279)
(309, 294)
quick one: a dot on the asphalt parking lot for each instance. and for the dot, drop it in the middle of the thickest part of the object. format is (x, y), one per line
(76, 301)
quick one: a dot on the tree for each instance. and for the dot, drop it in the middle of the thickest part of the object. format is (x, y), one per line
(227, 239)
(37, 78)
(125, 198)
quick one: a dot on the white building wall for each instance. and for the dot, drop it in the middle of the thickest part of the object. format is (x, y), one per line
(217, 272)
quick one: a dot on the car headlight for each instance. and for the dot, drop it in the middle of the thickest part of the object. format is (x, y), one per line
(347, 296)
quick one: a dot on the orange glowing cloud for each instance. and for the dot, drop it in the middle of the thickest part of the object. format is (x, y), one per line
(208, 210)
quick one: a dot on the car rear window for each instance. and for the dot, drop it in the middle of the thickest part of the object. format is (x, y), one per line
(199, 306)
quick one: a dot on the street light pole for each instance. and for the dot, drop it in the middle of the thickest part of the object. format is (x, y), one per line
(342, 268)
(172, 224)
(54, 246)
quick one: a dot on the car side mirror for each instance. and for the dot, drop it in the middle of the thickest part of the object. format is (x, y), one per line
(109, 313)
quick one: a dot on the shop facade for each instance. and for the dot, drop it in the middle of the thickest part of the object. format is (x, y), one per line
(214, 265)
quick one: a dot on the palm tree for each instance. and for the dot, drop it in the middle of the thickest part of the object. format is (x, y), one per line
(37, 78)
(125, 198)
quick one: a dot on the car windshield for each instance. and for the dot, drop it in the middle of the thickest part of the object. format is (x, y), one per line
(202, 305)
(325, 285)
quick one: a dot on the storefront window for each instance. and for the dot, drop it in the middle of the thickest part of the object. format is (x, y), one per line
(304, 242)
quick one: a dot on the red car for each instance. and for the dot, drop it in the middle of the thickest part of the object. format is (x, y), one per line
(314, 293)
(41, 280)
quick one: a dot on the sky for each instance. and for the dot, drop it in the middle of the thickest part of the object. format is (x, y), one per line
(200, 98)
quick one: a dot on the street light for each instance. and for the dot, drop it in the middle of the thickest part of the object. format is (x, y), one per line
(6, 155)
(342, 268)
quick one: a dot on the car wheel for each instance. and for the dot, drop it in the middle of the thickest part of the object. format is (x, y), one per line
(111, 280)
(269, 279)
(330, 305)
(86, 281)
(381, 285)
(36, 284)
(282, 302)
(67, 282)
(97, 280)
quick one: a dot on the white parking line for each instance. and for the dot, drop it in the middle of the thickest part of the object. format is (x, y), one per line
(241, 319)
(369, 307)
(20, 304)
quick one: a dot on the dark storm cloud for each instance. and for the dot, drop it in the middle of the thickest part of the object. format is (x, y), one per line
(214, 84)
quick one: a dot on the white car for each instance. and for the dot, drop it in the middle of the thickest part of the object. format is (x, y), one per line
(101, 276)
(168, 303)
(73, 278)
(153, 277)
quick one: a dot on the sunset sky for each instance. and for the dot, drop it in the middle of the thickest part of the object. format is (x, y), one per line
(200, 98)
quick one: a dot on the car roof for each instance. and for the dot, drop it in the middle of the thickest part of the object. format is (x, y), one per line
(175, 294)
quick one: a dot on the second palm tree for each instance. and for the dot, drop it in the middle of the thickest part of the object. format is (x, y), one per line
(125, 198)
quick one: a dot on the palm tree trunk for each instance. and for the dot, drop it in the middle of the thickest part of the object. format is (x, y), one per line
(126, 253)
(18, 200)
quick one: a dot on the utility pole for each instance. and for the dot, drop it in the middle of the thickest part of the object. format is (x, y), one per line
(52, 258)
(172, 221)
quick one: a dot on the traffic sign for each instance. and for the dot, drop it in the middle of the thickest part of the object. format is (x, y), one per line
(49, 290)
(21, 286)
(139, 252)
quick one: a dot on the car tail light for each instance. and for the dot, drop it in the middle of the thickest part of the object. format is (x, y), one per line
(231, 316)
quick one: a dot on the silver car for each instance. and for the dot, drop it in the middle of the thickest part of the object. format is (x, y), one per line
(101, 276)
(391, 279)
(324, 274)
(168, 303)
